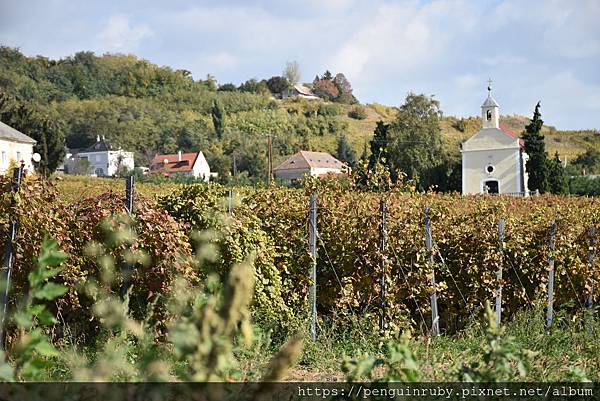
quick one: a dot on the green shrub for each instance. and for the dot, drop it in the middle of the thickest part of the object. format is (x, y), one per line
(240, 237)
(358, 113)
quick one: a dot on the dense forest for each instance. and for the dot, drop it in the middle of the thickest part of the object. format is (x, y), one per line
(147, 109)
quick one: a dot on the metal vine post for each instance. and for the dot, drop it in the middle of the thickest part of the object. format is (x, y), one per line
(8, 261)
(313, 270)
(435, 320)
(550, 309)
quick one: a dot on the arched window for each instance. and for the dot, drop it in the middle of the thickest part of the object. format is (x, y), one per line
(488, 115)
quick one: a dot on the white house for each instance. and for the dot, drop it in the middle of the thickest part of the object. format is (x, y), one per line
(493, 160)
(104, 161)
(16, 147)
(192, 164)
(316, 164)
(299, 90)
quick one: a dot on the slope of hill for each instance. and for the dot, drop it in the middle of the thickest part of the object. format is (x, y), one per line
(147, 109)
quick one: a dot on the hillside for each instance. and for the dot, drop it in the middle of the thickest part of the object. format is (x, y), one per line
(147, 109)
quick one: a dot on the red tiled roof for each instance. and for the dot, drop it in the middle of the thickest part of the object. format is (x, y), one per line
(174, 165)
(511, 133)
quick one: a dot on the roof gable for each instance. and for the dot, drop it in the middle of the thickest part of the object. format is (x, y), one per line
(307, 160)
(8, 133)
(490, 138)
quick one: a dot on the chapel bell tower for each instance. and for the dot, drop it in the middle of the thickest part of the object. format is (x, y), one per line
(490, 111)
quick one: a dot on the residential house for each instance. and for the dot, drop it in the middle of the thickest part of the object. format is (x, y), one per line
(15, 147)
(493, 160)
(304, 163)
(301, 91)
(192, 164)
(100, 160)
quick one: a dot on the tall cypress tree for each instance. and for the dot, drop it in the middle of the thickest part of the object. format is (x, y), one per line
(218, 117)
(345, 152)
(379, 144)
(537, 165)
(557, 177)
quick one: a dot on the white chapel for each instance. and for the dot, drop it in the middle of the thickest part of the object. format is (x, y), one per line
(493, 160)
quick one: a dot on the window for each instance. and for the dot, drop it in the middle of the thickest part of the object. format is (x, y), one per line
(488, 115)
(489, 169)
(18, 156)
(4, 157)
(99, 172)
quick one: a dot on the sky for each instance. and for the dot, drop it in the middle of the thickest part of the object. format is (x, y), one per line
(535, 50)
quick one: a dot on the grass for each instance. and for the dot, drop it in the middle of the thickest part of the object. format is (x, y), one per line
(566, 352)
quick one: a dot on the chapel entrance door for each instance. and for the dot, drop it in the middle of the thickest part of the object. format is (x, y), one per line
(492, 186)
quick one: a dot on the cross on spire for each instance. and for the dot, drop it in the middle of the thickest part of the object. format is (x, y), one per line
(490, 85)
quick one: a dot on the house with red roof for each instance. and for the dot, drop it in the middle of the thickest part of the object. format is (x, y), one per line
(191, 164)
(303, 163)
(493, 160)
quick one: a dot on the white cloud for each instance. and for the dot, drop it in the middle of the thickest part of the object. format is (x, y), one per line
(119, 35)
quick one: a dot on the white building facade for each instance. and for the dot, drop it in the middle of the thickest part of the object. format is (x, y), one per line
(102, 160)
(15, 147)
(493, 160)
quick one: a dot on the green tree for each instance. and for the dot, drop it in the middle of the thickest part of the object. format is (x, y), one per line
(557, 179)
(415, 140)
(47, 131)
(589, 161)
(537, 165)
(345, 152)
(379, 144)
(218, 117)
(278, 84)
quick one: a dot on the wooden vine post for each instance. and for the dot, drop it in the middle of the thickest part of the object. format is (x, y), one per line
(591, 257)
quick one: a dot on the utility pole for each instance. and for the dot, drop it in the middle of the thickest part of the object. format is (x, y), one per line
(270, 145)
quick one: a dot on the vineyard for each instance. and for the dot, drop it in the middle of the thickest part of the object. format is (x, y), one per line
(194, 234)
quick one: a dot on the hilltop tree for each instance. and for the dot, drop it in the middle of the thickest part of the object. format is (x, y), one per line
(415, 140)
(327, 76)
(325, 89)
(292, 72)
(345, 89)
(218, 117)
(277, 84)
(345, 152)
(537, 165)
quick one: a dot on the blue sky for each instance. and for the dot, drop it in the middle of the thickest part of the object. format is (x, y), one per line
(533, 50)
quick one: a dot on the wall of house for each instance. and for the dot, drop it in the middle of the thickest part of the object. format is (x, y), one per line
(106, 164)
(507, 170)
(317, 171)
(201, 168)
(15, 151)
(291, 174)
